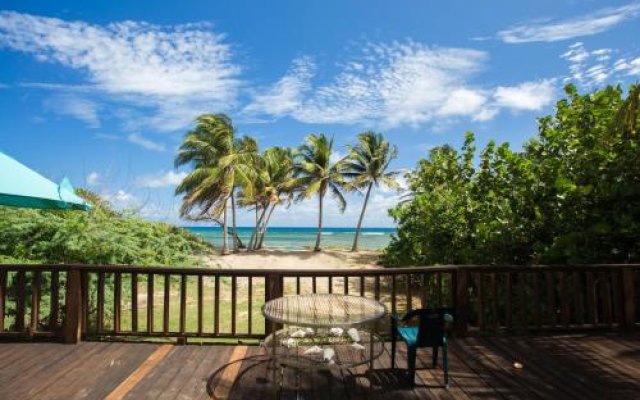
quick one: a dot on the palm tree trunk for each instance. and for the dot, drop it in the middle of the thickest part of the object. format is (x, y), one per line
(264, 226)
(225, 246)
(318, 248)
(256, 230)
(359, 227)
(253, 232)
(233, 222)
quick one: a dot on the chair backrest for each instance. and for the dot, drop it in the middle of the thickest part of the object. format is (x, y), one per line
(431, 328)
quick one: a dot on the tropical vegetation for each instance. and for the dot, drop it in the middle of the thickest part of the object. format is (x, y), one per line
(367, 166)
(228, 171)
(220, 164)
(571, 195)
(100, 236)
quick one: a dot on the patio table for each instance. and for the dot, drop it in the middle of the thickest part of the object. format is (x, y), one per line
(323, 321)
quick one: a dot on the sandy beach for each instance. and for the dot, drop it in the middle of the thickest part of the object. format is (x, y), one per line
(302, 259)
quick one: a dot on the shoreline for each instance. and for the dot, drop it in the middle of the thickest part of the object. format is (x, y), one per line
(294, 259)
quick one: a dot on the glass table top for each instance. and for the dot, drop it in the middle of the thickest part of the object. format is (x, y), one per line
(323, 310)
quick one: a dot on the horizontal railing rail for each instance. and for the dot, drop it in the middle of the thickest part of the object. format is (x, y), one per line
(74, 301)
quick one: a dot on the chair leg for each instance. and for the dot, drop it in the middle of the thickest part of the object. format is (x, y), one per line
(434, 354)
(411, 365)
(445, 366)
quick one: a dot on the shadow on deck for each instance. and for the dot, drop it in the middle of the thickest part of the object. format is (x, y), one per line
(560, 366)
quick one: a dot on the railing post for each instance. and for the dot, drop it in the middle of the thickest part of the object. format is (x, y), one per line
(73, 313)
(461, 292)
(273, 290)
(629, 296)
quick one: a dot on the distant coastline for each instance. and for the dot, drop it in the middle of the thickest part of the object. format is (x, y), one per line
(300, 238)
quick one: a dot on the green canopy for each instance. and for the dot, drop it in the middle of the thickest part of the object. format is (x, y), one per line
(23, 187)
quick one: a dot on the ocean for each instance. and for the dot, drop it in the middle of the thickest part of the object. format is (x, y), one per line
(304, 238)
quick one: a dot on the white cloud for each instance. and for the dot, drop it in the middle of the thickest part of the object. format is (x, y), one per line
(463, 102)
(591, 68)
(144, 142)
(286, 95)
(76, 107)
(527, 96)
(386, 84)
(145, 65)
(93, 178)
(555, 30)
(169, 178)
(397, 84)
(122, 199)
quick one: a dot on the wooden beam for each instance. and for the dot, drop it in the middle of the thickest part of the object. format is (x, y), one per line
(73, 311)
(461, 287)
(629, 296)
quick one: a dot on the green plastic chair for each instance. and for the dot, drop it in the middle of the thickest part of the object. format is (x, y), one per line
(431, 331)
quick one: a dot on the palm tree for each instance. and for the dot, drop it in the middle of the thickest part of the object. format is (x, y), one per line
(278, 183)
(315, 174)
(270, 185)
(217, 159)
(366, 166)
(242, 156)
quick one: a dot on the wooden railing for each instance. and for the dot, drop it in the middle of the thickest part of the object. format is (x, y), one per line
(71, 302)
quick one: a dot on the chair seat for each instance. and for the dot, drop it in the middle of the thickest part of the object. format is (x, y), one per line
(409, 334)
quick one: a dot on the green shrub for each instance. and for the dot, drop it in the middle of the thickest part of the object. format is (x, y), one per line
(101, 236)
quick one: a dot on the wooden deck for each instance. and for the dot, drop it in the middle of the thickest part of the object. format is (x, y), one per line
(563, 366)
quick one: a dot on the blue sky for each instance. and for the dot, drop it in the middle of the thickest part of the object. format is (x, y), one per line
(102, 92)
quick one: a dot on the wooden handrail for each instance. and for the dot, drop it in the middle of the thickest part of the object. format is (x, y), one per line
(314, 272)
(141, 301)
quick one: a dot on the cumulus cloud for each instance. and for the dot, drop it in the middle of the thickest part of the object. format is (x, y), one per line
(148, 144)
(285, 95)
(555, 30)
(161, 77)
(390, 85)
(83, 109)
(591, 68)
(143, 64)
(527, 96)
(387, 84)
(166, 179)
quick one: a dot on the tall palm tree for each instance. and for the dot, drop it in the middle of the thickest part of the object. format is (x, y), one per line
(242, 156)
(270, 185)
(366, 166)
(315, 174)
(217, 161)
(278, 183)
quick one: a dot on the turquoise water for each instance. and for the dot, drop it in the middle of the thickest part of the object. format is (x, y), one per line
(304, 238)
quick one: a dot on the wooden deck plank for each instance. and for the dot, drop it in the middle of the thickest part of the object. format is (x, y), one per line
(230, 373)
(95, 374)
(186, 368)
(563, 366)
(136, 376)
(484, 364)
(157, 380)
(556, 365)
(45, 370)
(535, 376)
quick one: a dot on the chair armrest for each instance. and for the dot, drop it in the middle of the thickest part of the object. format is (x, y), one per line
(448, 322)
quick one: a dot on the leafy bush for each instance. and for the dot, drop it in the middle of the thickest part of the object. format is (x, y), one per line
(571, 196)
(101, 236)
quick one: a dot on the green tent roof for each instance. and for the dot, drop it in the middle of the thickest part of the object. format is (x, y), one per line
(20, 186)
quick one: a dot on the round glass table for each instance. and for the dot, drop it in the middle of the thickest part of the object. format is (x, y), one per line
(324, 330)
